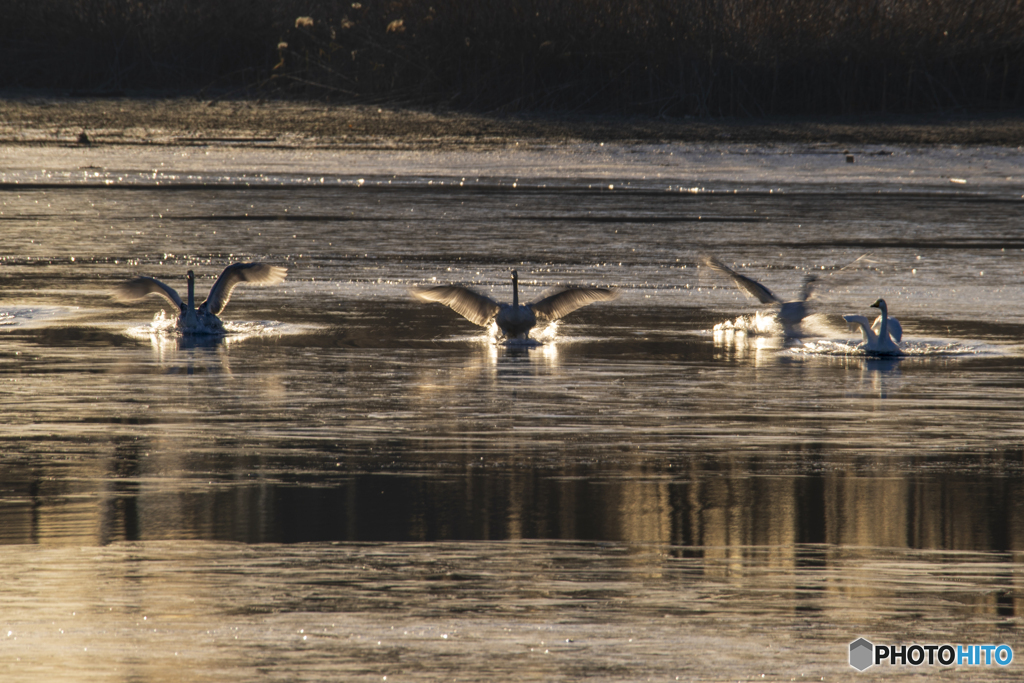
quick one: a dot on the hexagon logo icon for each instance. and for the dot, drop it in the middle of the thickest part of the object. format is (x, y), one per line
(862, 654)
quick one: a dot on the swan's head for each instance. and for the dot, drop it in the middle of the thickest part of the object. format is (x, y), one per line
(515, 276)
(191, 275)
(879, 303)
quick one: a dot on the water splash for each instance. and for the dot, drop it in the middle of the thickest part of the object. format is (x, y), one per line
(541, 335)
(910, 349)
(160, 325)
(163, 329)
(760, 323)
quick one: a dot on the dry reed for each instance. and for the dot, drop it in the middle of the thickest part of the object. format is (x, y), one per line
(668, 57)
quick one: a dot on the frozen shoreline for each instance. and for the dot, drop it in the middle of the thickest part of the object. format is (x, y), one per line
(31, 118)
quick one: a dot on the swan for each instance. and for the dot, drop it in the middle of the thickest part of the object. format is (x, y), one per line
(881, 337)
(515, 320)
(895, 329)
(204, 319)
(790, 313)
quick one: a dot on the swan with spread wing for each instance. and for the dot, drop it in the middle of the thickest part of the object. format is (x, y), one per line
(201, 320)
(515, 320)
(790, 313)
(881, 337)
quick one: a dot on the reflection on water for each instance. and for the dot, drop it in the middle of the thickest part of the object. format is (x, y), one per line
(352, 484)
(428, 611)
(712, 505)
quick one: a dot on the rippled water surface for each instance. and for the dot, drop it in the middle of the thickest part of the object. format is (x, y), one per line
(354, 485)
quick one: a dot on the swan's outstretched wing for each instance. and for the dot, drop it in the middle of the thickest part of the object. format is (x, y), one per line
(565, 301)
(747, 286)
(472, 306)
(236, 274)
(895, 329)
(863, 323)
(133, 290)
(807, 290)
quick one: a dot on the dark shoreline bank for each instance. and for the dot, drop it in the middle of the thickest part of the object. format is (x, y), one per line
(28, 118)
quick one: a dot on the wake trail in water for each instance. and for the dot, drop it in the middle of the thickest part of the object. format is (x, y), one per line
(34, 316)
(163, 326)
(909, 349)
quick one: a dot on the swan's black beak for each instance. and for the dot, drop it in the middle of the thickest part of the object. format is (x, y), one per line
(877, 304)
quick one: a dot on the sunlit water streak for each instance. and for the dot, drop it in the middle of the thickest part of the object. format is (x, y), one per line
(351, 484)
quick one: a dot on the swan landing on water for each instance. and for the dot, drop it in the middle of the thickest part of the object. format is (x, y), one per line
(203, 320)
(514, 320)
(790, 313)
(881, 337)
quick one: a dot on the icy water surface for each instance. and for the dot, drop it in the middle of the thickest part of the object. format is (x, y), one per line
(353, 485)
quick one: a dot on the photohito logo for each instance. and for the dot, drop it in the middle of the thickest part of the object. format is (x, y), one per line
(865, 654)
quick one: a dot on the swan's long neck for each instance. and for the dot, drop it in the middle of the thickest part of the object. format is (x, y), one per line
(191, 291)
(865, 327)
(515, 289)
(883, 331)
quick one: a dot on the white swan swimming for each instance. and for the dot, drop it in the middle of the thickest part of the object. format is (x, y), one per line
(790, 313)
(203, 320)
(515, 320)
(880, 338)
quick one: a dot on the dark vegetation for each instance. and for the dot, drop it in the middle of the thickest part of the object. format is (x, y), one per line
(656, 57)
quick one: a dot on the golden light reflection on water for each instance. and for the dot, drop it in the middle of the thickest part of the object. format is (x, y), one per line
(721, 516)
(541, 353)
(536, 442)
(488, 358)
(739, 343)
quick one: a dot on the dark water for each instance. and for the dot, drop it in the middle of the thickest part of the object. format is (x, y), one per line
(355, 485)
